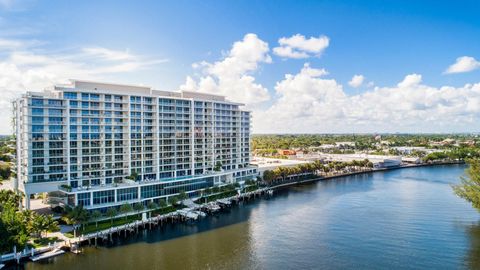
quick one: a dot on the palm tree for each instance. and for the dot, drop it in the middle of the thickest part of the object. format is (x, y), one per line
(162, 203)
(183, 195)
(152, 206)
(43, 223)
(76, 216)
(173, 200)
(95, 216)
(138, 207)
(111, 213)
(125, 208)
(268, 176)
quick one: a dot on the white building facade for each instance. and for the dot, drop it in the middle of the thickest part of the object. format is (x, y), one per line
(107, 144)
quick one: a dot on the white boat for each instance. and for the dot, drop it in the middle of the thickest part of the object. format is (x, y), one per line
(201, 214)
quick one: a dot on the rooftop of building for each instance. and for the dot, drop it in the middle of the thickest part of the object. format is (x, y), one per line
(130, 89)
(264, 163)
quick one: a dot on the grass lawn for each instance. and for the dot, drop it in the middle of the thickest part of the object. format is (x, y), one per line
(251, 188)
(165, 210)
(105, 224)
(217, 196)
(40, 242)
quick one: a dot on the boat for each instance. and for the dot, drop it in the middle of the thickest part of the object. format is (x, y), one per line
(200, 214)
(224, 202)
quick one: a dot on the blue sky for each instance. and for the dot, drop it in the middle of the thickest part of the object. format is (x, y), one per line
(384, 41)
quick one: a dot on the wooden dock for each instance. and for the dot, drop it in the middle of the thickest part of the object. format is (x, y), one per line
(47, 255)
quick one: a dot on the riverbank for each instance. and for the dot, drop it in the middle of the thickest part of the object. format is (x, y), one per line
(407, 219)
(329, 177)
(192, 213)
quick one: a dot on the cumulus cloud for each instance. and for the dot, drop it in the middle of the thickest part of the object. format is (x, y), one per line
(463, 64)
(410, 80)
(356, 81)
(310, 103)
(24, 68)
(297, 46)
(231, 76)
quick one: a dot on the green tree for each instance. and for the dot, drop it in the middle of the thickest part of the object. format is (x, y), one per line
(75, 216)
(173, 200)
(5, 170)
(111, 213)
(43, 223)
(268, 176)
(469, 188)
(162, 203)
(152, 206)
(183, 195)
(138, 207)
(218, 166)
(96, 215)
(126, 208)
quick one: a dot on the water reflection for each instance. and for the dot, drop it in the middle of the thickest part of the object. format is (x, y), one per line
(403, 219)
(474, 252)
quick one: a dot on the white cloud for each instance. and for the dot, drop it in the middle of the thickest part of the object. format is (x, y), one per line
(410, 80)
(24, 68)
(312, 104)
(9, 44)
(107, 54)
(231, 76)
(356, 81)
(297, 46)
(463, 64)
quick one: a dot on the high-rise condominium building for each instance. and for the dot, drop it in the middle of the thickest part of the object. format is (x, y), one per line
(108, 144)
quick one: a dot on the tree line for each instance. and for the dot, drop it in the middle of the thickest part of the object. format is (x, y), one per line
(20, 227)
(281, 174)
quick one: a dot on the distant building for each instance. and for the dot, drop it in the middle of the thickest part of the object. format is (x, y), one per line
(263, 164)
(343, 144)
(286, 152)
(377, 160)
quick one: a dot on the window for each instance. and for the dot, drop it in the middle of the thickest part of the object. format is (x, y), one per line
(70, 95)
(101, 197)
(54, 102)
(37, 102)
(37, 128)
(54, 112)
(37, 111)
(127, 194)
(56, 129)
(83, 199)
(37, 120)
(55, 120)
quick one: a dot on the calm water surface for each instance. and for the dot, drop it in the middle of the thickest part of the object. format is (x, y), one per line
(402, 219)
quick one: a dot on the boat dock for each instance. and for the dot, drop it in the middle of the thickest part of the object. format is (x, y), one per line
(190, 214)
(47, 255)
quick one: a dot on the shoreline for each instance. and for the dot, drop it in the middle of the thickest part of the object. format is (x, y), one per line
(316, 179)
(74, 244)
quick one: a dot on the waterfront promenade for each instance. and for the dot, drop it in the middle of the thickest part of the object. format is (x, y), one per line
(105, 236)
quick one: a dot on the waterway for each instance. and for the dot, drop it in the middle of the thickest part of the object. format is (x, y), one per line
(400, 219)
